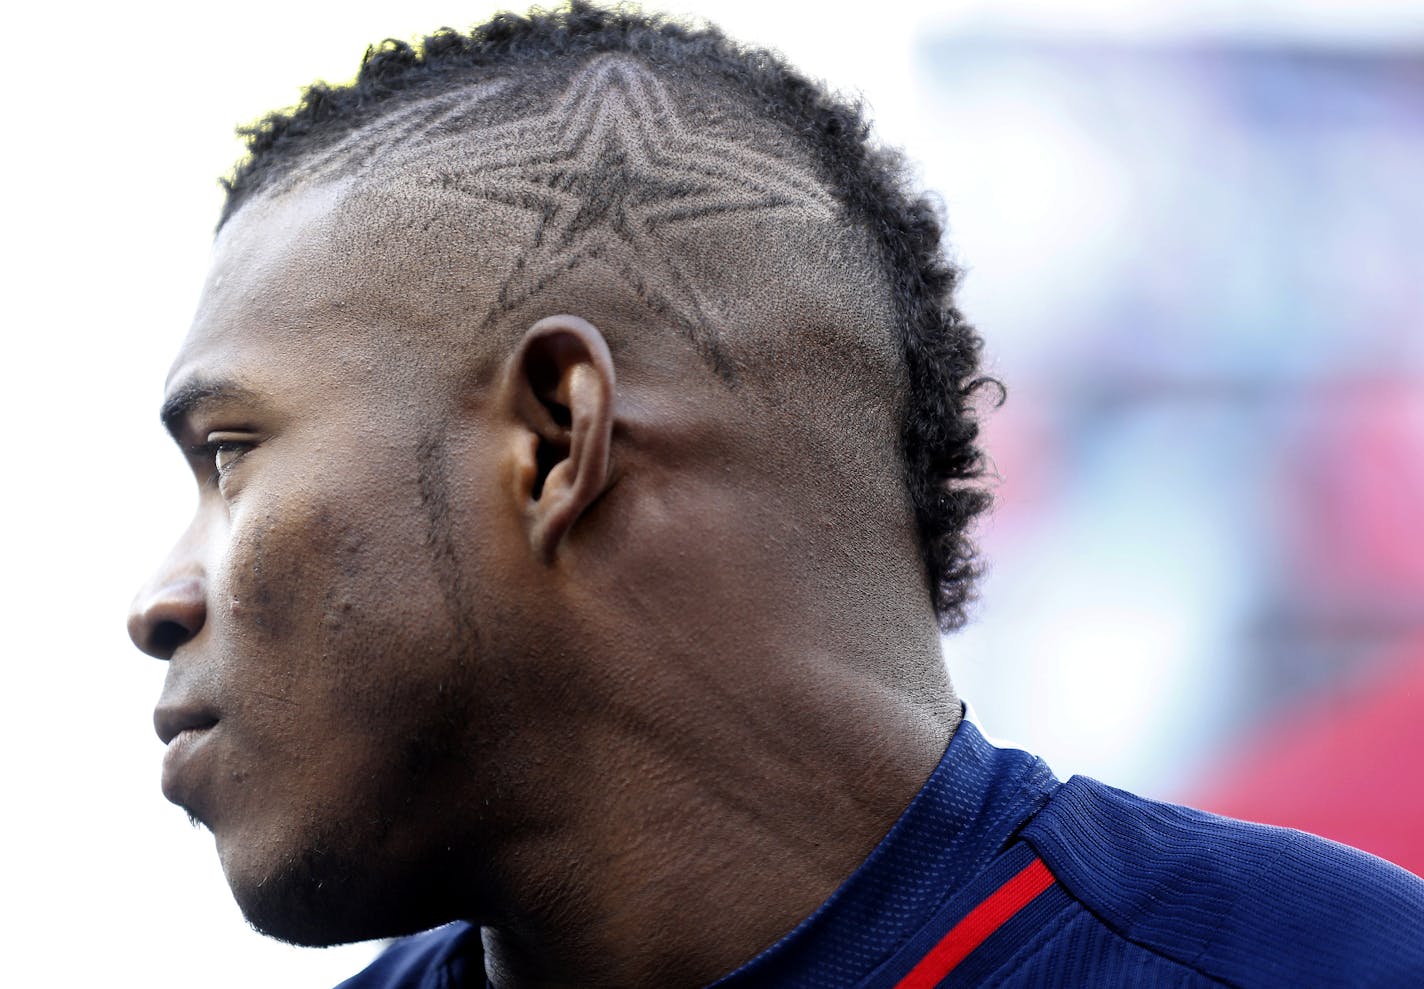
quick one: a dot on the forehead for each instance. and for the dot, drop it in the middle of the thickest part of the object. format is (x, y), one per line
(326, 280)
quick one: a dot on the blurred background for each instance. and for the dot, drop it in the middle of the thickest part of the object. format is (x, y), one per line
(1195, 242)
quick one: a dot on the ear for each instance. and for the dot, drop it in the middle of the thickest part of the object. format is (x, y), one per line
(559, 385)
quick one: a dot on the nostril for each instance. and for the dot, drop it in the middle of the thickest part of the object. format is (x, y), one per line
(166, 637)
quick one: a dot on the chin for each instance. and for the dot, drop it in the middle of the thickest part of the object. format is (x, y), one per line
(318, 899)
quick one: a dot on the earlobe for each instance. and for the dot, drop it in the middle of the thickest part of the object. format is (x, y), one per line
(560, 386)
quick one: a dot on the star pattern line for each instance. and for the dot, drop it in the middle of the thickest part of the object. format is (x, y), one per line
(607, 165)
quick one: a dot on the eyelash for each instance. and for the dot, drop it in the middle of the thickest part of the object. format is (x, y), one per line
(208, 452)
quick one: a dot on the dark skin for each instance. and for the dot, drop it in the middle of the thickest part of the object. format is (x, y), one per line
(519, 632)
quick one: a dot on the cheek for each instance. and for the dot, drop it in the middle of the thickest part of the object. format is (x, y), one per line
(285, 568)
(331, 598)
(268, 569)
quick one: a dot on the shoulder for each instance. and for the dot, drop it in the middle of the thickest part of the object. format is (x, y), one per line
(1244, 903)
(447, 956)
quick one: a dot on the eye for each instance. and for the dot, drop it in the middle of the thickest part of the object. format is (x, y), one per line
(226, 454)
(223, 450)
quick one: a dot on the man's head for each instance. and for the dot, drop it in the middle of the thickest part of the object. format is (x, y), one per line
(549, 383)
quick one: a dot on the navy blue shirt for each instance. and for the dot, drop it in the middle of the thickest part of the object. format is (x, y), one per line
(999, 875)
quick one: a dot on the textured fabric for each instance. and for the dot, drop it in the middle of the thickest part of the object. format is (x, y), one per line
(448, 957)
(1142, 894)
(1249, 904)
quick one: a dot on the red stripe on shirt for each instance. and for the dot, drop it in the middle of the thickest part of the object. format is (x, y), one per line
(977, 925)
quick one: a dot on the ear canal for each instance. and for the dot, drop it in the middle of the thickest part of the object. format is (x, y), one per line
(545, 410)
(551, 448)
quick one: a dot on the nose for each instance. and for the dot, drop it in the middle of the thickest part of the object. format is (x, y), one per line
(168, 612)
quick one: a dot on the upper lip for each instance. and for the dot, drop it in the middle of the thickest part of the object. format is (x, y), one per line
(170, 719)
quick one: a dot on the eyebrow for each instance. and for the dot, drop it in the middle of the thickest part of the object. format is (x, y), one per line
(186, 399)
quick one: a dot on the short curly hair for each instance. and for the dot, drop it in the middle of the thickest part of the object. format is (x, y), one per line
(944, 468)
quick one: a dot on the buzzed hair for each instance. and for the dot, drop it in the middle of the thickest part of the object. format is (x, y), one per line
(792, 146)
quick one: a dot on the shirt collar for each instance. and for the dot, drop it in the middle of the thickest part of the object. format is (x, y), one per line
(972, 806)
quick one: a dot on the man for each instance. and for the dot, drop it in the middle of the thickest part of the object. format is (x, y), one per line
(585, 442)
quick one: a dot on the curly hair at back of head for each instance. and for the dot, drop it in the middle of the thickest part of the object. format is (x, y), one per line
(944, 469)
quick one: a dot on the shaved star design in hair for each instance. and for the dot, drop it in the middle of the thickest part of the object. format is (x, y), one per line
(393, 140)
(607, 166)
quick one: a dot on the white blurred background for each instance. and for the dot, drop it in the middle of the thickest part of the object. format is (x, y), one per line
(1194, 235)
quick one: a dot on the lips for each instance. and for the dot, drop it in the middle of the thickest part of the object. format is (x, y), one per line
(169, 720)
(183, 728)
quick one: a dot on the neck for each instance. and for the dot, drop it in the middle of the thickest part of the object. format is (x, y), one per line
(718, 803)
